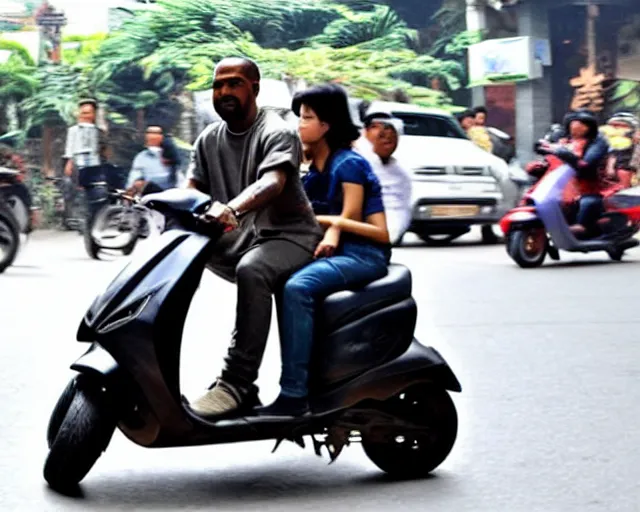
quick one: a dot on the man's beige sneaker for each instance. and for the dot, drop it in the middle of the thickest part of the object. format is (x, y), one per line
(221, 399)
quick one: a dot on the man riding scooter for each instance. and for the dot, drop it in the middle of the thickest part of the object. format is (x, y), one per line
(585, 150)
(249, 164)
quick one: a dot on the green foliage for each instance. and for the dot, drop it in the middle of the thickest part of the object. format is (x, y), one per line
(157, 54)
(44, 195)
(17, 81)
(367, 51)
(625, 95)
(79, 50)
(19, 52)
(381, 28)
(459, 44)
(60, 89)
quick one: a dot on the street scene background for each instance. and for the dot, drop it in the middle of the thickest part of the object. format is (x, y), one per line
(547, 359)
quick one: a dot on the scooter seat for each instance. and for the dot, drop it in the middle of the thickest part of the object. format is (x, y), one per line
(346, 306)
(178, 200)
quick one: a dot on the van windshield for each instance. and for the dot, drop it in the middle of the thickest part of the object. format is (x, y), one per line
(423, 125)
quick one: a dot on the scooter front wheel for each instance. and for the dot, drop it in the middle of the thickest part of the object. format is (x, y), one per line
(81, 438)
(415, 451)
(528, 247)
(60, 411)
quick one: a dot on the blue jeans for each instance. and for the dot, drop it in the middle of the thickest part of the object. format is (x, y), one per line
(355, 265)
(590, 210)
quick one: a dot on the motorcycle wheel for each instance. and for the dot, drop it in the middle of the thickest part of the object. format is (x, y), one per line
(9, 238)
(60, 411)
(528, 248)
(128, 249)
(84, 433)
(417, 451)
(92, 248)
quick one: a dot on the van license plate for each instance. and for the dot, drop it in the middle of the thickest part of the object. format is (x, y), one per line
(457, 210)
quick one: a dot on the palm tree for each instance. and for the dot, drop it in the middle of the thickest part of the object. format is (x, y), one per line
(381, 28)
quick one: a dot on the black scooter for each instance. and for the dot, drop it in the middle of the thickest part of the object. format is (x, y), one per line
(371, 380)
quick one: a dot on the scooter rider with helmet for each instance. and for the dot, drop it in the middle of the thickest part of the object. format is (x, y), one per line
(621, 131)
(585, 149)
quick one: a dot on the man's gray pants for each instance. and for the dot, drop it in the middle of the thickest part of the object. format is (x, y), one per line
(260, 273)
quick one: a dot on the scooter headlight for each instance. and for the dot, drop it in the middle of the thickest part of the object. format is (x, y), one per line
(124, 315)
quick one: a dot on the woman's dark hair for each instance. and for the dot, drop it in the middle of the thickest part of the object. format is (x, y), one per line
(586, 117)
(480, 110)
(330, 104)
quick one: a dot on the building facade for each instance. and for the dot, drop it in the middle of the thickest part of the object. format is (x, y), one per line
(595, 62)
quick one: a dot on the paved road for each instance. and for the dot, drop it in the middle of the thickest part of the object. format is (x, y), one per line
(549, 360)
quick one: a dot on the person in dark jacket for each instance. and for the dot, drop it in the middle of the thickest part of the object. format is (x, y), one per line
(586, 150)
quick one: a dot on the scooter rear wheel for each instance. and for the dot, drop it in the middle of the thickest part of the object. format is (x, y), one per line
(84, 434)
(418, 450)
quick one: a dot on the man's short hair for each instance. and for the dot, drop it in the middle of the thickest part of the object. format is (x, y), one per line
(88, 101)
(375, 116)
(250, 69)
(374, 112)
(466, 115)
(480, 110)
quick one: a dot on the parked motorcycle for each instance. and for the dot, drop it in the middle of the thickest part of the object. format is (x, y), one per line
(99, 183)
(539, 227)
(11, 226)
(371, 381)
(9, 236)
(16, 197)
(119, 225)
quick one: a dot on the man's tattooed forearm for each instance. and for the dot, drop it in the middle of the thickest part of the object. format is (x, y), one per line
(259, 193)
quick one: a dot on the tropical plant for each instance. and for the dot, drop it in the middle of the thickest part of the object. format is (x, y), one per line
(380, 28)
(367, 51)
(18, 51)
(625, 95)
(77, 50)
(55, 101)
(16, 83)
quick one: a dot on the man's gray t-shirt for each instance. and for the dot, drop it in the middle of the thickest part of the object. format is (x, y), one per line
(226, 163)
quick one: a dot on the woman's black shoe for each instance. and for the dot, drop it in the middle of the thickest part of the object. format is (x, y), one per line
(286, 406)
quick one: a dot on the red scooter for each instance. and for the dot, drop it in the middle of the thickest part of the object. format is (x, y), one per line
(539, 225)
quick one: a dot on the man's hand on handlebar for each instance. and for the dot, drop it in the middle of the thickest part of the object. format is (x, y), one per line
(222, 214)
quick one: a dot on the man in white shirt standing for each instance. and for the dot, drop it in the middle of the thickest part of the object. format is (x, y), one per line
(380, 140)
(84, 140)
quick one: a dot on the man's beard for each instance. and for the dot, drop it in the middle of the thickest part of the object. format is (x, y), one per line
(229, 109)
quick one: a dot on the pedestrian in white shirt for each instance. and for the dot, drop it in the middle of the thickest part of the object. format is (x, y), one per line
(84, 145)
(381, 136)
